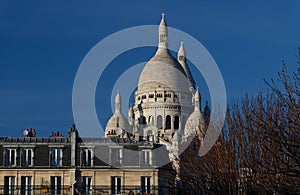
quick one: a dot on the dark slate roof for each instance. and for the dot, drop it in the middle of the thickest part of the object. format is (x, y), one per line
(107, 140)
(33, 140)
(127, 142)
(64, 140)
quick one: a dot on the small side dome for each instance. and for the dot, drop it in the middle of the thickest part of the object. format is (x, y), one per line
(195, 123)
(194, 126)
(117, 125)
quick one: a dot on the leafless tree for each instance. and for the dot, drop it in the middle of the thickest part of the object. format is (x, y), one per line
(258, 150)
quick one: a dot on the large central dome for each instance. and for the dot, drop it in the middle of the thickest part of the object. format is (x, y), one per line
(163, 70)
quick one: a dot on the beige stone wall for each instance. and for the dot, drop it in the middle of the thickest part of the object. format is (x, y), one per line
(37, 175)
(129, 177)
(100, 177)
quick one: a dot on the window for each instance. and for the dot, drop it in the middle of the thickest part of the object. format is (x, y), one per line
(162, 38)
(26, 185)
(26, 157)
(159, 95)
(115, 185)
(55, 185)
(150, 120)
(116, 155)
(159, 122)
(151, 95)
(9, 185)
(150, 136)
(10, 157)
(142, 120)
(56, 157)
(146, 158)
(87, 185)
(168, 122)
(86, 157)
(145, 184)
(176, 122)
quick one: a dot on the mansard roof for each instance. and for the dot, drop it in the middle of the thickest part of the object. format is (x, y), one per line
(25, 140)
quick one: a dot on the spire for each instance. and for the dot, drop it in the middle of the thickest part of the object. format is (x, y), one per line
(181, 57)
(118, 102)
(206, 108)
(130, 112)
(206, 114)
(163, 33)
(197, 100)
(181, 53)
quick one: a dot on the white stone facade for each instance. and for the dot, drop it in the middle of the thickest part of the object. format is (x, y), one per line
(164, 99)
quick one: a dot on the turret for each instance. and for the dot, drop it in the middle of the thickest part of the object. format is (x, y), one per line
(206, 114)
(197, 100)
(181, 53)
(118, 102)
(131, 119)
(181, 57)
(163, 33)
(130, 112)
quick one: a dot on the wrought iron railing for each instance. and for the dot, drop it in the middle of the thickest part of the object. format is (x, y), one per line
(78, 190)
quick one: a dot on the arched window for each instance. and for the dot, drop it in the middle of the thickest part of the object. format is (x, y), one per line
(176, 122)
(168, 122)
(159, 122)
(150, 136)
(150, 120)
(143, 120)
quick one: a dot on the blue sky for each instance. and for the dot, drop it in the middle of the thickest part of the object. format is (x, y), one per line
(42, 44)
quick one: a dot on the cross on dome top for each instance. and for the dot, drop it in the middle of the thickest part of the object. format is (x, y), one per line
(163, 16)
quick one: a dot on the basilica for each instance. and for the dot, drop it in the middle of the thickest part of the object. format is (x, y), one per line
(166, 107)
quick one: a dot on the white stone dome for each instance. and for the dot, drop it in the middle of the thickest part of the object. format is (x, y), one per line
(117, 121)
(117, 124)
(195, 123)
(163, 70)
(193, 126)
